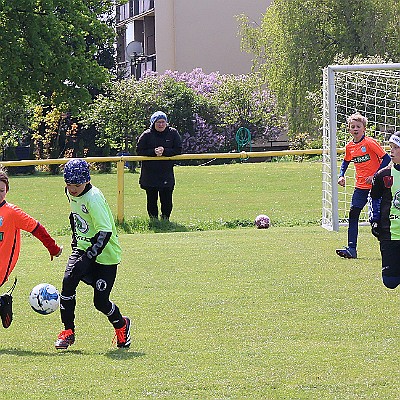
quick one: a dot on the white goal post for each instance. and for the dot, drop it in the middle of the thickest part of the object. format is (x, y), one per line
(371, 89)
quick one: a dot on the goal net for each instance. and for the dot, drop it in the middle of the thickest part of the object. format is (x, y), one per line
(371, 89)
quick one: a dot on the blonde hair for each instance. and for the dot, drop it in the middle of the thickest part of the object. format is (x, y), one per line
(357, 117)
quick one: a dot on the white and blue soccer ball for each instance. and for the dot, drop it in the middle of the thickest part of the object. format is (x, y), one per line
(44, 298)
(262, 221)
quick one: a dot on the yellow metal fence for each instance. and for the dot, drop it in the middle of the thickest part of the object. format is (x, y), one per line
(121, 160)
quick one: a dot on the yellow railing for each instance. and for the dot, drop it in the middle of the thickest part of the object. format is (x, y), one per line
(121, 160)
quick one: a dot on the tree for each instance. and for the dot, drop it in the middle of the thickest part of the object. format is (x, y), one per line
(298, 38)
(207, 109)
(51, 49)
(123, 111)
(245, 101)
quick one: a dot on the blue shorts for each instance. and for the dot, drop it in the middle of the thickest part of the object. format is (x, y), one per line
(359, 198)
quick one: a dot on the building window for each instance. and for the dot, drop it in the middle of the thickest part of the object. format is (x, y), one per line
(142, 6)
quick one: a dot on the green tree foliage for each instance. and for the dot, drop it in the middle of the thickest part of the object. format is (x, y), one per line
(298, 38)
(206, 109)
(51, 48)
(243, 101)
(123, 111)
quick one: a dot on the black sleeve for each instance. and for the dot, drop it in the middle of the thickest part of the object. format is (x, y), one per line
(177, 145)
(99, 241)
(377, 186)
(376, 194)
(143, 146)
(74, 242)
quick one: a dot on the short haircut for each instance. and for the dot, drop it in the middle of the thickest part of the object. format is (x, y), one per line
(357, 117)
(4, 177)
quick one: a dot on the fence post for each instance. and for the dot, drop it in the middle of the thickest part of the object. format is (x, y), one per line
(120, 195)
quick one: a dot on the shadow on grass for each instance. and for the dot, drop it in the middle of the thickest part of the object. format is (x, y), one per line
(145, 225)
(123, 354)
(163, 225)
(25, 353)
(115, 354)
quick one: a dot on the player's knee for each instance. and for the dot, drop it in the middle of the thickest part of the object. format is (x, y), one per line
(102, 305)
(68, 286)
(354, 213)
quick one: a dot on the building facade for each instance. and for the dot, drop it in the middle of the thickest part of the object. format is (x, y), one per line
(181, 35)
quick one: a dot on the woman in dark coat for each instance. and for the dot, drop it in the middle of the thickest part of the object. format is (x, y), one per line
(157, 177)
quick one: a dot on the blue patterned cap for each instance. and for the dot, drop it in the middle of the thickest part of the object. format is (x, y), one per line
(158, 115)
(76, 171)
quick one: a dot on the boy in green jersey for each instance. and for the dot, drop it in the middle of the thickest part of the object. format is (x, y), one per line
(95, 256)
(385, 214)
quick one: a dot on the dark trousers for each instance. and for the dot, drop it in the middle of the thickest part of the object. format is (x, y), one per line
(165, 195)
(358, 202)
(390, 252)
(100, 277)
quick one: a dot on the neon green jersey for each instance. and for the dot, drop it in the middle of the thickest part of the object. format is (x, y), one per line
(91, 214)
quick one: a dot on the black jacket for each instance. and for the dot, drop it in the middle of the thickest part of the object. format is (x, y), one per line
(158, 173)
(384, 205)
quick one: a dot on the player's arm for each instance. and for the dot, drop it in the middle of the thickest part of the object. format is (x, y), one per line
(41, 233)
(375, 147)
(374, 204)
(74, 241)
(343, 169)
(143, 147)
(29, 224)
(99, 242)
(176, 145)
(375, 198)
(385, 161)
(103, 226)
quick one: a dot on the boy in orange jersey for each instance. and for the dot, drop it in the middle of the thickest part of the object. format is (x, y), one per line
(368, 157)
(12, 220)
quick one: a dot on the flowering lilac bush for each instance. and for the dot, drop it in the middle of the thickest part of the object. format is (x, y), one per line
(201, 83)
(241, 101)
(206, 138)
(207, 109)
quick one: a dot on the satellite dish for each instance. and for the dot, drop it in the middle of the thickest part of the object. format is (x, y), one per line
(134, 49)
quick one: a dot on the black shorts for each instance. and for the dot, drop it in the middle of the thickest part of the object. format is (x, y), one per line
(97, 275)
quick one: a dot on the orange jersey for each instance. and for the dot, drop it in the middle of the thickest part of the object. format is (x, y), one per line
(367, 156)
(12, 220)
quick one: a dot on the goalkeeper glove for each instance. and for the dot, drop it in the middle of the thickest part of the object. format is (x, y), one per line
(375, 228)
(6, 313)
(6, 300)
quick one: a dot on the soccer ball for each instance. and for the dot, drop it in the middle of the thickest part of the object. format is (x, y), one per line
(262, 221)
(44, 298)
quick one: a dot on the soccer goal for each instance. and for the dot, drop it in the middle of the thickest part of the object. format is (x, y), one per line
(371, 89)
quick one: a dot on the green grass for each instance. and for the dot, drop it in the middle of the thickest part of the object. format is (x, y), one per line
(217, 314)
(207, 197)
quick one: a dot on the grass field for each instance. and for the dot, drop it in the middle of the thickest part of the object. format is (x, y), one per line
(290, 193)
(217, 314)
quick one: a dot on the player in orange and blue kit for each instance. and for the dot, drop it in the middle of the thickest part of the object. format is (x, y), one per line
(368, 158)
(12, 220)
(385, 214)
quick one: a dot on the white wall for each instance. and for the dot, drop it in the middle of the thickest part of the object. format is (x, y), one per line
(203, 33)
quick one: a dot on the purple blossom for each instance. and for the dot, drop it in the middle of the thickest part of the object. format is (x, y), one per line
(256, 111)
